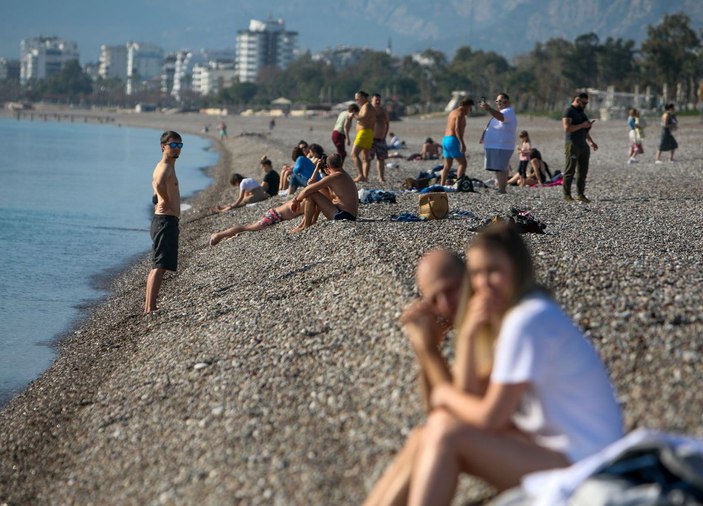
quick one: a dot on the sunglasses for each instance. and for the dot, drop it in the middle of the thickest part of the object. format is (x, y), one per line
(174, 145)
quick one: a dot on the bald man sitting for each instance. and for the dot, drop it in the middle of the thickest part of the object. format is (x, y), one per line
(439, 277)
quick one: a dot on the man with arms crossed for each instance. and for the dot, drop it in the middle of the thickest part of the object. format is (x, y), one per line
(167, 211)
(577, 128)
(379, 148)
(453, 141)
(365, 122)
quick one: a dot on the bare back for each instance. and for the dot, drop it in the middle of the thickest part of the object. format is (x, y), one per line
(345, 192)
(165, 185)
(456, 123)
(366, 117)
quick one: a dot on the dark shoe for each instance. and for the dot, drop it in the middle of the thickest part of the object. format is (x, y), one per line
(568, 198)
(583, 198)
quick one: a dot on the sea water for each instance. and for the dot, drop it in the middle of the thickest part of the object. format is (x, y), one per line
(75, 203)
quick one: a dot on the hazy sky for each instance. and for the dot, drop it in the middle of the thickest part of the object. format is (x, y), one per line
(506, 26)
(173, 24)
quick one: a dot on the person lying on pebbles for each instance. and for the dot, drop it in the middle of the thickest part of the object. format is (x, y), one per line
(335, 196)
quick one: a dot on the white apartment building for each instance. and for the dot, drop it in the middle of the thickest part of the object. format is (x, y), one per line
(264, 43)
(42, 57)
(213, 76)
(113, 62)
(144, 62)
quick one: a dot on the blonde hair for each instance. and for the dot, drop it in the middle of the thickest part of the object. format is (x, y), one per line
(502, 237)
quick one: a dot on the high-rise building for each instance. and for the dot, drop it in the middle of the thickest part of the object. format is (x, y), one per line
(113, 62)
(42, 57)
(265, 43)
(214, 76)
(144, 62)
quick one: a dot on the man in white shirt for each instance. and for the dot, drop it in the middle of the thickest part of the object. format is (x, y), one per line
(499, 138)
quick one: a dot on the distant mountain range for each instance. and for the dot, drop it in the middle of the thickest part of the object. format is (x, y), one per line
(508, 27)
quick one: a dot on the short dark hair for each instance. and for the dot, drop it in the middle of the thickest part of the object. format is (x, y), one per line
(235, 179)
(353, 108)
(302, 144)
(504, 95)
(582, 95)
(467, 102)
(334, 161)
(170, 134)
(376, 95)
(362, 94)
(669, 107)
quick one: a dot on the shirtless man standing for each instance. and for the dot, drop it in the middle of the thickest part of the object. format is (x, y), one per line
(167, 211)
(453, 141)
(379, 148)
(365, 123)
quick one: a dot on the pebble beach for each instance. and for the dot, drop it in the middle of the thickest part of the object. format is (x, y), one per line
(275, 371)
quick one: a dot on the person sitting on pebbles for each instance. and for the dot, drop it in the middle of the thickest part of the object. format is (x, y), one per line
(336, 196)
(439, 277)
(249, 192)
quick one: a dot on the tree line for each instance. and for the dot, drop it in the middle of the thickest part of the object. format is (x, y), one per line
(540, 80)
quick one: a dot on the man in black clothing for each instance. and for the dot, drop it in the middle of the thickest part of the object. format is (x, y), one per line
(577, 127)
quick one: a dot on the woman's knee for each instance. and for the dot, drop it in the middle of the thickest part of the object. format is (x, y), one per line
(443, 430)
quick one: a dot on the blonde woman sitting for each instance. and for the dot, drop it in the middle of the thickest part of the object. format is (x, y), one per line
(529, 392)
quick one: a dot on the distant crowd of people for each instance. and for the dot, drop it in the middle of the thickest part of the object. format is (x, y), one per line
(525, 382)
(316, 183)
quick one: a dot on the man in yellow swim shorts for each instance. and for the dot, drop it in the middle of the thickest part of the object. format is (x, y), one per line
(365, 122)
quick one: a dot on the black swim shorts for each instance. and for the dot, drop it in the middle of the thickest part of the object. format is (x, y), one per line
(164, 234)
(343, 215)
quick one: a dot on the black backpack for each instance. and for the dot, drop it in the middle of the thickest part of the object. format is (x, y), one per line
(464, 184)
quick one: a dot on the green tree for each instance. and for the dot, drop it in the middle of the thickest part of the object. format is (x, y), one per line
(551, 84)
(581, 65)
(238, 93)
(616, 63)
(71, 83)
(479, 72)
(670, 54)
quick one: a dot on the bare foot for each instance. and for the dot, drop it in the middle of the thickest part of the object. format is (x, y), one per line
(214, 239)
(382, 180)
(359, 179)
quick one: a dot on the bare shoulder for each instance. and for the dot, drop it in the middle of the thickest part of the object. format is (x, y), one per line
(162, 170)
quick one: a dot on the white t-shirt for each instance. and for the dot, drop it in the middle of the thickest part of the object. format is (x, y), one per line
(569, 405)
(248, 185)
(501, 134)
(341, 119)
